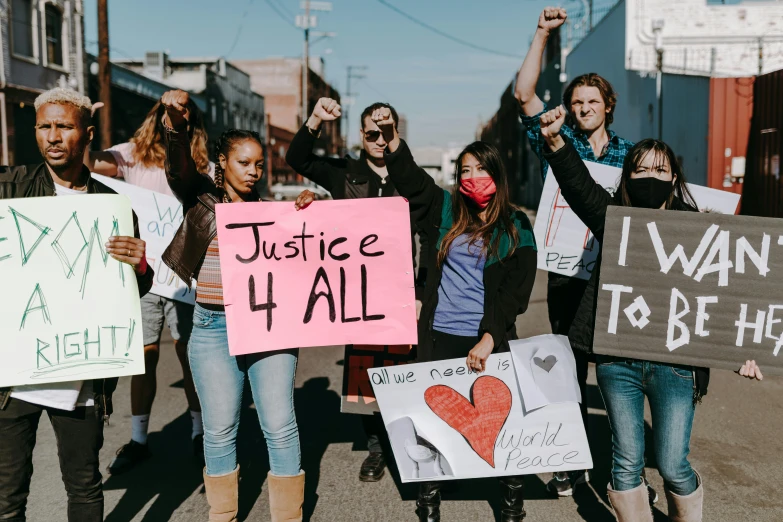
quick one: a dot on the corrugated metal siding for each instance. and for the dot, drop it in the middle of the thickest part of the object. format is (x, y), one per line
(686, 113)
(731, 110)
(763, 187)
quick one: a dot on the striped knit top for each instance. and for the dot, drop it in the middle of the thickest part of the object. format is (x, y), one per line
(209, 286)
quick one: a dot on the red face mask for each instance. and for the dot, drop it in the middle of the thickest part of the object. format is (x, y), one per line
(480, 190)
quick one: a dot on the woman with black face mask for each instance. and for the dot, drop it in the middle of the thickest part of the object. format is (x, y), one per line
(651, 178)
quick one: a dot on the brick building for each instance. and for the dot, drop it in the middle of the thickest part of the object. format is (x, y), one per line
(279, 80)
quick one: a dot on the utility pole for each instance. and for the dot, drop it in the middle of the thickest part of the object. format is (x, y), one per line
(351, 75)
(658, 32)
(306, 22)
(104, 73)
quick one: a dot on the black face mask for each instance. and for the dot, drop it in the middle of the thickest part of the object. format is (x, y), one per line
(648, 192)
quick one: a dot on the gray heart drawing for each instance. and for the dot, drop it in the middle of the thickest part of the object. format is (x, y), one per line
(545, 364)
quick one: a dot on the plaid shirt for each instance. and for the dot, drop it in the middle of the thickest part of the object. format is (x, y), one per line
(613, 154)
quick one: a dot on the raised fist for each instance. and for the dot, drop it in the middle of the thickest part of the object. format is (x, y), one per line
(552, 121)
(176, 103)
(383, 118)
(327, 109)
(551, 18)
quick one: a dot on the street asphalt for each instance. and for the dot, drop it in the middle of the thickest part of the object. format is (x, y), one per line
(737, 446)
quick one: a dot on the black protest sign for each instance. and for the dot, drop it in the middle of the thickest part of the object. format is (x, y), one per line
(691, 288)
(358, 395)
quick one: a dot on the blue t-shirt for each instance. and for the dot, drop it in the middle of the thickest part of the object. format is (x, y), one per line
(461, 291)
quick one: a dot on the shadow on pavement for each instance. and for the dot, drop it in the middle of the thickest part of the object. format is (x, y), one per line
(171, 475)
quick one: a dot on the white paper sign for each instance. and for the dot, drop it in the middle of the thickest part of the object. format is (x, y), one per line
(565, 244)
(446, 422)
(159, 218)
(546, 370)
(69, 310)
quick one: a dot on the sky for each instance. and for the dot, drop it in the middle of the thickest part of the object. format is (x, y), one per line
(444, 89)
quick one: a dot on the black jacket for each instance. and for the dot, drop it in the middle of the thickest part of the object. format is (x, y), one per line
(344, 178)
(32, 181)
(507, 283)
(589, 202)
(347, 178)
(198, 195)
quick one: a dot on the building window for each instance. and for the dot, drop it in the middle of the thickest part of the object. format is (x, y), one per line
(213, 110)
(225, 114)
(54, 35)
(22, 14)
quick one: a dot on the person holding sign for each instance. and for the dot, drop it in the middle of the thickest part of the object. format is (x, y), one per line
(348, 178)
(76, 409)
(140, 162)
(651, 178)
(218, 376)
(482, 270)
(591, 101)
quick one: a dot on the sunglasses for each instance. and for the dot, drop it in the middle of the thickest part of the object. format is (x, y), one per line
(372, 136)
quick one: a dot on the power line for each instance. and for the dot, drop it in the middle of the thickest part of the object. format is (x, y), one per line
(284, 8)
(285, 18)
(445, 35)
(376, 91)
(239, 29)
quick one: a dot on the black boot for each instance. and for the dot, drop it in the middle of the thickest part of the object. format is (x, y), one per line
(373, 468)
(428, 503)
(513, 492)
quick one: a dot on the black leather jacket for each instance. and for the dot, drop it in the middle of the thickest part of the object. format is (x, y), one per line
(198, 195)
(32, 181)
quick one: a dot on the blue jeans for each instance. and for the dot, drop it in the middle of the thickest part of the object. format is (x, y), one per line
(220, 380)
(669, 389)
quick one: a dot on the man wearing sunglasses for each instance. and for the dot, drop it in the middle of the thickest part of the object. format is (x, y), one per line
(348, 178)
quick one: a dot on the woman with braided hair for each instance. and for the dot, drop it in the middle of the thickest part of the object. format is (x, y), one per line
(220, 377)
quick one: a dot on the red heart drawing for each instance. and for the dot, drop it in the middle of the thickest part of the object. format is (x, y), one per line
(478, 420)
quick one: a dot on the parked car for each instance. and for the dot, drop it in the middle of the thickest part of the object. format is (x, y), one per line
(289, 192)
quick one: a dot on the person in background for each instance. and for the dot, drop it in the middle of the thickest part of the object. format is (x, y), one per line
(220, 377)
(347, 178)
(651, 178)
(590, 100)
(140, 162)
(482, 270)
(76, 409)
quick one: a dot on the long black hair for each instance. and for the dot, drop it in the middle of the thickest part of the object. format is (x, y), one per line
(223, 146)
(499, 211)
(662, 153)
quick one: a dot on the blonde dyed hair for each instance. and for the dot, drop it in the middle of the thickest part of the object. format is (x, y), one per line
(148, 140)
(61, 96)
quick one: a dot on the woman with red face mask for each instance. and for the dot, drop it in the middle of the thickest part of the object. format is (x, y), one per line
(482, 270)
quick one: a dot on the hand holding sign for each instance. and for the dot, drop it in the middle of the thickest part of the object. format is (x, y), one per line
(129, 250)
(751, 371)
(477, 358)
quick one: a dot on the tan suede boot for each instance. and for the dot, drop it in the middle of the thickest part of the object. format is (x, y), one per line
(687, 508)
(222, 496)
(286, 496)
(632, 505)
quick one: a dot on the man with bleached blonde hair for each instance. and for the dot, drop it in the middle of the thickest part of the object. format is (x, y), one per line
(76, 409)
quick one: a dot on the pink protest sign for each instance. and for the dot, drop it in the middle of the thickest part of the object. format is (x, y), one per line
(337, 272)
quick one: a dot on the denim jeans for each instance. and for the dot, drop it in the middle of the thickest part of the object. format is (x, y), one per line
(220, 380)
(79, 435)
(669, 389)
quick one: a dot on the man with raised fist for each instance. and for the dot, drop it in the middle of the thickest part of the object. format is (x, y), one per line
(590, 101)
(348, 178)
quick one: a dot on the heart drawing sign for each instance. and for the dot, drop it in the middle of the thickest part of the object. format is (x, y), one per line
(480, 422)
(447, 422)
